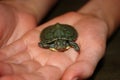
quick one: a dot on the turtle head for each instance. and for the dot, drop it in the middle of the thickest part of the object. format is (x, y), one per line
(61, 45)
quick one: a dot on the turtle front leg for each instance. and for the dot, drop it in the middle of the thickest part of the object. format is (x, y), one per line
(74, 45)
(43, 45)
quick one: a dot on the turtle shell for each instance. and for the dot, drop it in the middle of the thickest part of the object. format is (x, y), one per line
(58, 31)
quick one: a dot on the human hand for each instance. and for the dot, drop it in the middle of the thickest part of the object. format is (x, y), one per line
(24, 59)
(29, 61)
(92, 41)
(92, 36)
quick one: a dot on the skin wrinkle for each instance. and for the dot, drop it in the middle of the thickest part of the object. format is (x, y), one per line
(46, 71)
(8, 28)
(8, 52)
(13, 77)
(36, 76)
(35, 56)
(34, 64)
(10, 68)
(19, 69)
(19, 58)
(59, 63)
(27, 48)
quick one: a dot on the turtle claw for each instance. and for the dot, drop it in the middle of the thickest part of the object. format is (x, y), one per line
(75, 46)
(53, 49)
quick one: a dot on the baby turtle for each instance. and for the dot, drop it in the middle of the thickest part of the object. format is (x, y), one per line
(59, 37)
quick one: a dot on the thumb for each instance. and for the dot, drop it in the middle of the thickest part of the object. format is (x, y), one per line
(79, 70)
(85, 64)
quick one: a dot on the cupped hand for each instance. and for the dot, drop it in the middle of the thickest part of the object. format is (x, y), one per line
(92, 36)
(24, 59)
(93, 33)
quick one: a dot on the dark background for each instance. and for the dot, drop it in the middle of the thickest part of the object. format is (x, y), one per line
(109, 67)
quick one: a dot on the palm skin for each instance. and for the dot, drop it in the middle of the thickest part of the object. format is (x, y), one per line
(24, 59)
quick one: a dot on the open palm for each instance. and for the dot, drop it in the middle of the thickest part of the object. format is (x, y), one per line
(24, 59)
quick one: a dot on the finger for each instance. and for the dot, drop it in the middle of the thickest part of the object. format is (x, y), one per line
(80, 70)
(24, 24)
(12, 49)
(85, 64)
